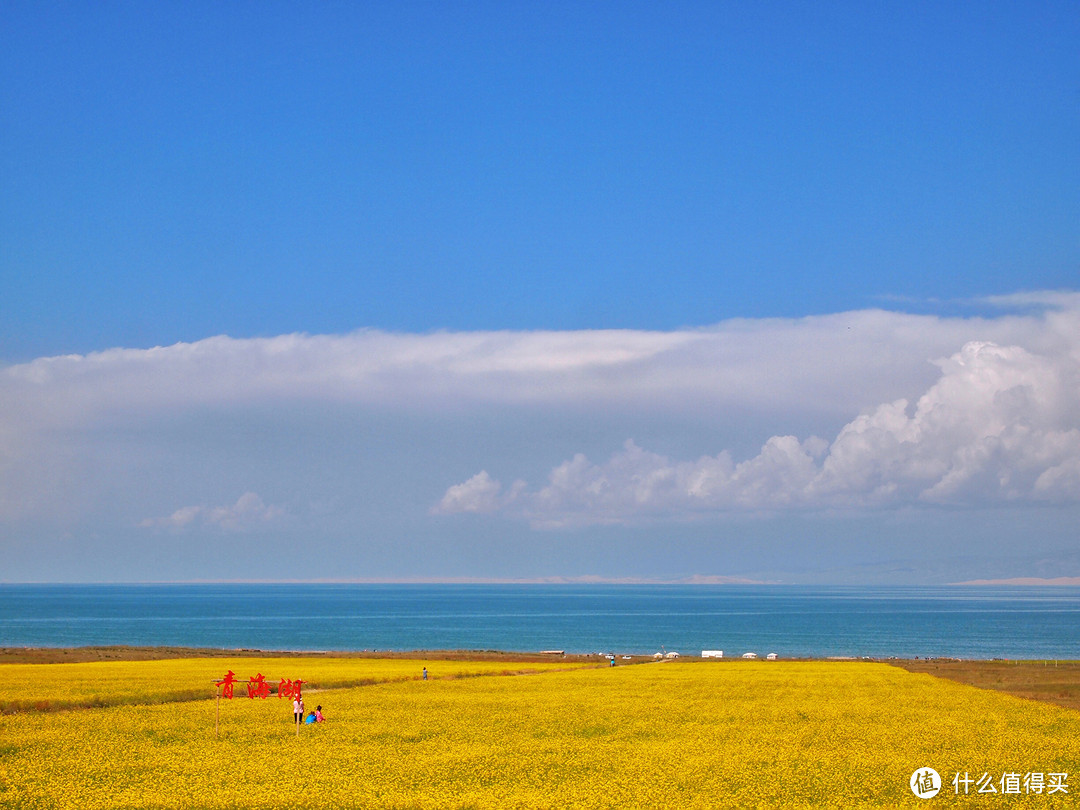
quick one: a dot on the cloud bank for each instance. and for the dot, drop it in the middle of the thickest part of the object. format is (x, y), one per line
(829, 362)
(934, 410)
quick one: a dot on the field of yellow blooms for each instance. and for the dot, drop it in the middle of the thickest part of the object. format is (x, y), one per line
(686, 734)
(110, 683)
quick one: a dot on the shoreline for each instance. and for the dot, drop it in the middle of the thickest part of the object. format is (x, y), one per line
(126, 652)
(123, 652)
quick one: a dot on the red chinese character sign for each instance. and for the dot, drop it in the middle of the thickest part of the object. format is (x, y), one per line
(257, 687)
(289, 689)
(227, 683)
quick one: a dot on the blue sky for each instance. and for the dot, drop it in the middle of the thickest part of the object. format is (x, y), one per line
(454, 247)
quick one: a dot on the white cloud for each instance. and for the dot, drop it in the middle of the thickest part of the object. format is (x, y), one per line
(995, 421)
(247, 513)
(828, 363)
(479, 494)
(1001, 424)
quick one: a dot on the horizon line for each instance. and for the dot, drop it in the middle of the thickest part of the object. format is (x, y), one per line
(697, 579)
(549, 580)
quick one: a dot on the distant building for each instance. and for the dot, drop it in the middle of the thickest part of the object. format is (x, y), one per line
(671, 655)
(712, 653)
(749, 655)
(771, 657)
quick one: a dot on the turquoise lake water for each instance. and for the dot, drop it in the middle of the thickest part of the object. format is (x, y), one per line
(792, 621)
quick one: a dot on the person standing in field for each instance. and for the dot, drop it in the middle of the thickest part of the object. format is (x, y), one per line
(425, 673)
(298, 709)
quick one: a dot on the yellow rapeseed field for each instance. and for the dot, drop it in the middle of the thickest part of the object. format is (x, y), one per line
(110, 683)
(691, 734)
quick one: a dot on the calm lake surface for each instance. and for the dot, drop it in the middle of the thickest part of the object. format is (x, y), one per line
(792, 621)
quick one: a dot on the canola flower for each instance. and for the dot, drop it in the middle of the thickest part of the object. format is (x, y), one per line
(694, 734)
(111, 683)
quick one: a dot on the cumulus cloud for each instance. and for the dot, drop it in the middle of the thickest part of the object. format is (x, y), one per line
(1001, 424)
(479, 494)
(249, 512)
